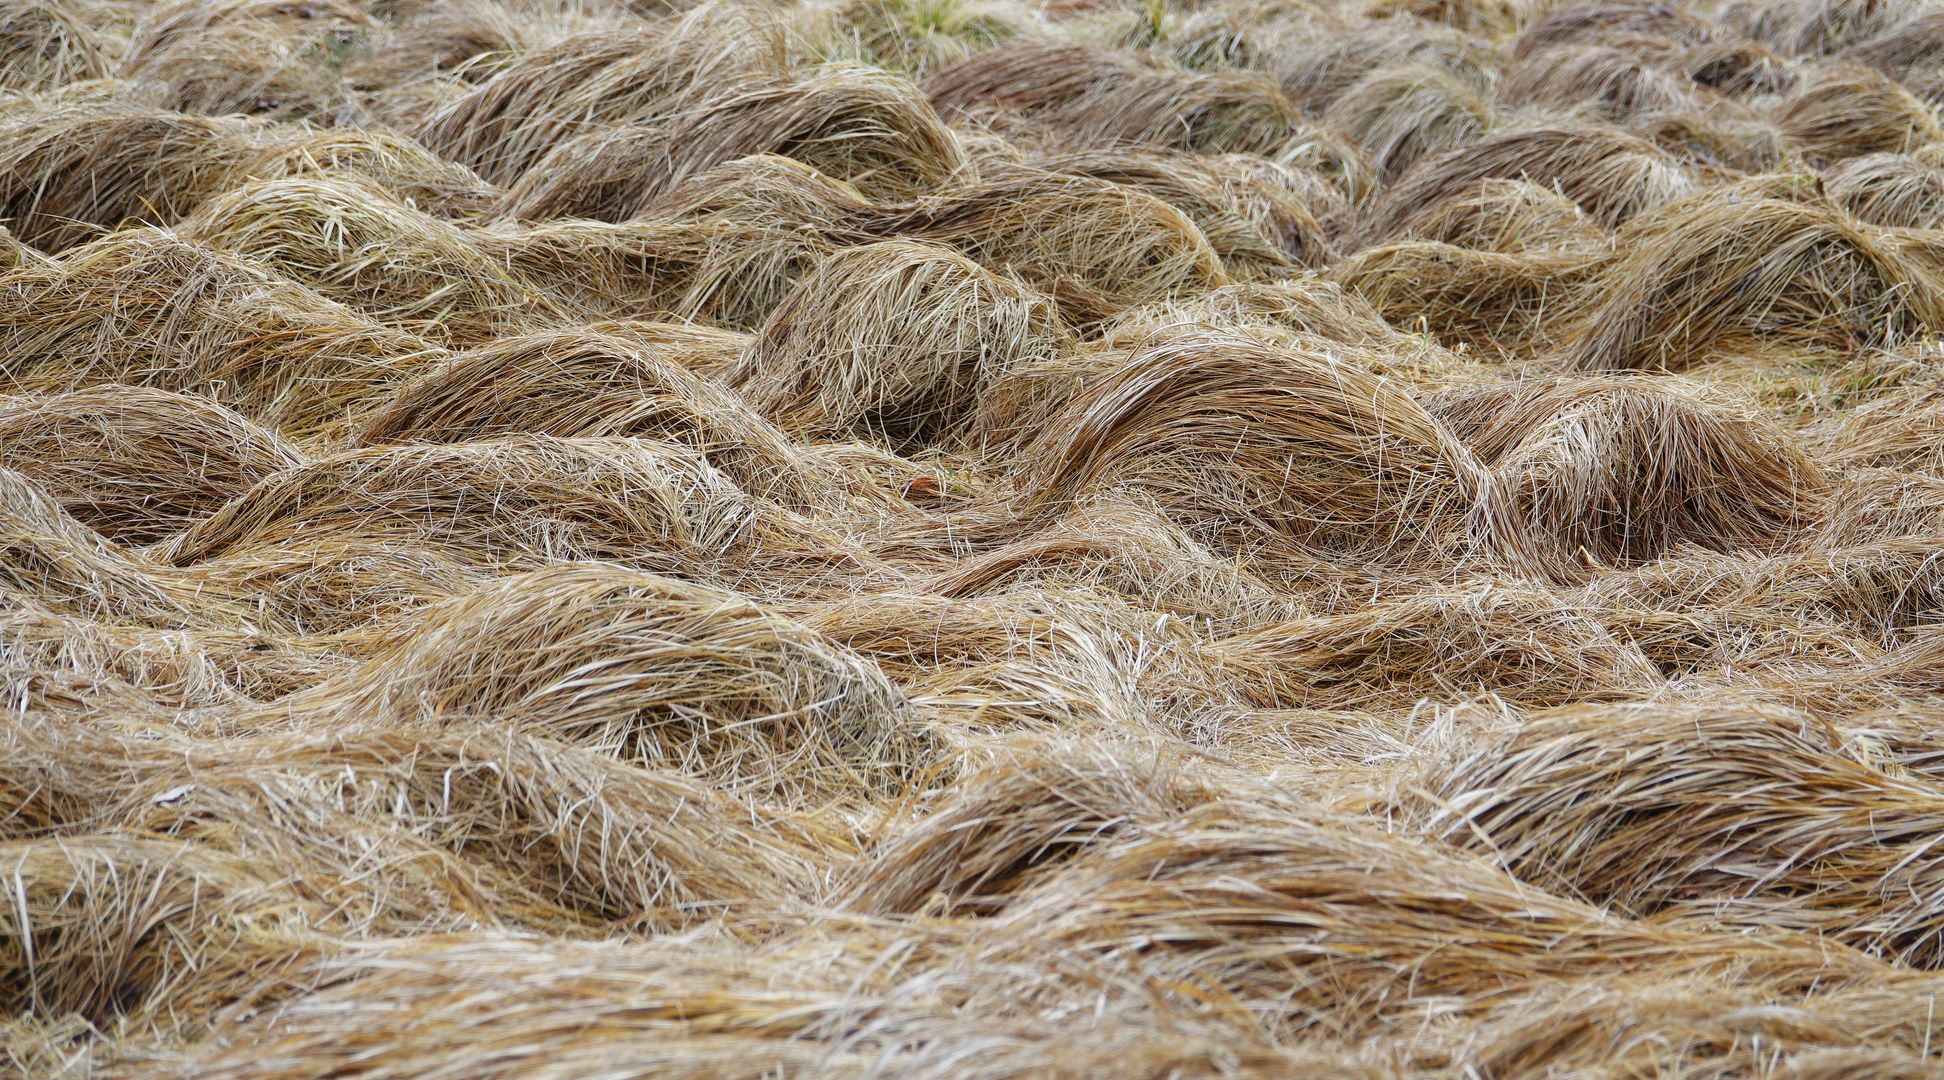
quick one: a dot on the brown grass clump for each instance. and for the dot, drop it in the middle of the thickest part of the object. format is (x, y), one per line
(1729, 814)
(1252, 443)
(919, 37)
(1485, 299)
(1313, 72)
(509, 123)
(1511, 217)
(640, 380)
(116, 924)
(1899, 430)
(68, 171)
(894, 339)
(46, 44)
(1220, 539)
(855, 124)
(1852, 111)
(680, 1008)
(148, 308)
(1705, 276)
(511, 502)
(1808, 27)
(728, 273)
(1400, 114)
(1613, 83)
(353, 243)
(1290, 915)
(1521, 645)
(1907, 50)
(1127, 546)
(1612, 176)
(1259, 216)
(1027, 812)
(1894, 190)
(598, 843)
(1104, 98)
(14, 254)
(1095, 247)
(263, 57)
(52, 559)
(136, 464)
(643, 668)
(1624, 470)
(409, 172)
(1592, 22)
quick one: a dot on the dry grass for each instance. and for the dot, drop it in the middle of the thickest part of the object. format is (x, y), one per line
(895, 340)
(1222, 539)
(1704, 276)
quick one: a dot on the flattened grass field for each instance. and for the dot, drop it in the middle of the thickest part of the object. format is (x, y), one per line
(991, 539)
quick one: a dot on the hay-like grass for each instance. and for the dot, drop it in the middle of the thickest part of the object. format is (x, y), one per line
(732, 539)
(1100, 97)
(635, 380)
(70, 170)
(642, 668)
(1520, 645)
(136, 464)
(1289, 915)
(1096, 247)
(728, 273)
(1507, 216)
(46, 44)
(1895, 190)
(1612, 176)
(862, 126)
(1314, 71)
(1613, 83)
(920, 36)
(121, 924)
(1599, 472)
(894, 339)
(511, 502)
(1730, 814)
(400, 166)
(1483, 299)
(1401, 114)
(1252, 444)
(1604, 20)
(599, 843)
(52, 559)
(1259, 216)
(1705, 276)
(506, 125)
(261, 57)
(148, 308)
(1847, 112)
(352, 242)
(1808, 27)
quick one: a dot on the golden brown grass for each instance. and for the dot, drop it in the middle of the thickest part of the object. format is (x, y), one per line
(1232, 540)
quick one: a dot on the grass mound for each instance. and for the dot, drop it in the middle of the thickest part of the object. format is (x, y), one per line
(1704, 276)
(1254, 444)
(642, 668)
(1612, 176)
(352, 242)
(1624, 470)
(149, 308)
(895, 339)
(855, 124)
(136, 464)
(1634, 795)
